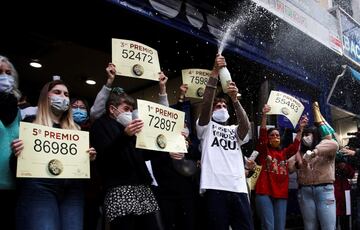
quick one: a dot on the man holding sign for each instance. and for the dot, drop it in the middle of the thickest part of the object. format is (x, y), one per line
(129, 202)
(222, 165)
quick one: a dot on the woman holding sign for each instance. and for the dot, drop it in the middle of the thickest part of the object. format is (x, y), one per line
(51, 203)
(272, 184)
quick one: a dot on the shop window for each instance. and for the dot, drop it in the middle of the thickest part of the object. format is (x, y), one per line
(345, 93)
(345, 5)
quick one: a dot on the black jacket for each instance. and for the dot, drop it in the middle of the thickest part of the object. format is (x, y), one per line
(119, 162)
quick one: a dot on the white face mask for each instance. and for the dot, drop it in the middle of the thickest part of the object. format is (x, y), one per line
(59, 104)
(6, 83)
(308, 140)
(135, 114)
(124, 118)
(221, 115)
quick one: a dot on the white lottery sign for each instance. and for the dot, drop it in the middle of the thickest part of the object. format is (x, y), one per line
(162, 128)
(53, 153)
(253, 179)
(287, 105)
(196, 79)
(133, 59)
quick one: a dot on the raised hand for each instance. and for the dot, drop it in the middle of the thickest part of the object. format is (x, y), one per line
(218, 64)
(232, 91)
(162, 82)
(303, 121)
(266, 109)
(183, 89)
(111, 72)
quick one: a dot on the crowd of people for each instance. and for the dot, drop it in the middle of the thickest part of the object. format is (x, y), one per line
(205, 188)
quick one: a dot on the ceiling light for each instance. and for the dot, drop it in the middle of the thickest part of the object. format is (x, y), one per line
(90, 82)
(35, 64)
(56, 77)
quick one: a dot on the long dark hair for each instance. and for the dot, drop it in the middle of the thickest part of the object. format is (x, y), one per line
(317, 138)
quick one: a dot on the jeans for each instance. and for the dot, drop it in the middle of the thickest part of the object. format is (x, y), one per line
(271, 211)
(50, 204)
(317, 204)
(228, 209)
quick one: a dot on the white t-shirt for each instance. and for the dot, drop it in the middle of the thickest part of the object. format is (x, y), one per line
(222, 164)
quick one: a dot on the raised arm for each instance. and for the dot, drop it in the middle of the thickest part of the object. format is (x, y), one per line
(163, 98)
(302, 123)
(241, 116)
(98, 107)
(183, 90)
(210, 89)
(265, 110)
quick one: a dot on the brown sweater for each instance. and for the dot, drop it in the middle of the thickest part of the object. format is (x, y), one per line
(321, 168)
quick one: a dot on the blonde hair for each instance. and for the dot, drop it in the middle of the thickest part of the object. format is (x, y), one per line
(14, 74)
(44, 109)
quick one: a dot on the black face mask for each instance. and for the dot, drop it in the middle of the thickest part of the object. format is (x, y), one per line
(9, 108)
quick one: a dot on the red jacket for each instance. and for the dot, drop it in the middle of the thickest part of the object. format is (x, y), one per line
(274, 179)
(343, 172)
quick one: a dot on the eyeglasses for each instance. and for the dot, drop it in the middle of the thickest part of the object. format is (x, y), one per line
(118, 90)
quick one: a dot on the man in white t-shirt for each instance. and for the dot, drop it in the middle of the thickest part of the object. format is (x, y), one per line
(223, 179)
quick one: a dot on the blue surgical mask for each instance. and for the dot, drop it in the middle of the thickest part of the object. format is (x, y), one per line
(6, 83)
(79, 115)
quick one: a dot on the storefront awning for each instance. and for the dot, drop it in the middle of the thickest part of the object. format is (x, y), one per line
(345, 92)
(259, 38)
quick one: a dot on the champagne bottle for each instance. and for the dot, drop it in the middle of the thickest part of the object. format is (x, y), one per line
(324, 126)
(225, 78)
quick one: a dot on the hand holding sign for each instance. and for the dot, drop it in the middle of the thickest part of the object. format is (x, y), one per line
(134, 59)
(111, 72)
(134, 127)
(284, 104)
(162, 83)
(52, 153)
(303, 121)
(17, 146)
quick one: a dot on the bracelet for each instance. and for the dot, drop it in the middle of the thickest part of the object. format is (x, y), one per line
(211, 86)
